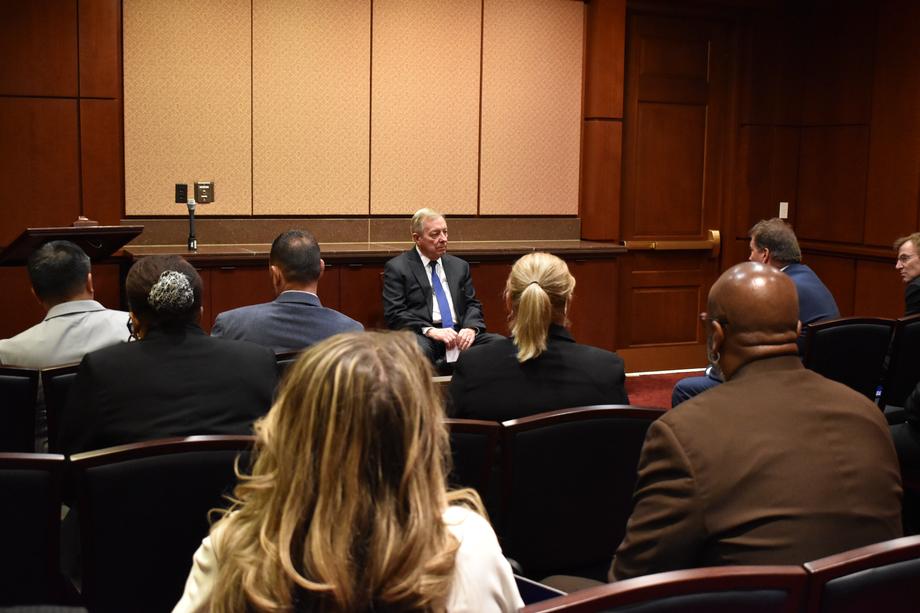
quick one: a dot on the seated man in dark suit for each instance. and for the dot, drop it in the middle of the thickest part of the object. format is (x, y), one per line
(908, 264)
(774, 243)
(446, 316)
(777, 465)
(295, 319)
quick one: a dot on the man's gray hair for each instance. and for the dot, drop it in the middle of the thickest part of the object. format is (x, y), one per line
(775, 235)
(420, 217)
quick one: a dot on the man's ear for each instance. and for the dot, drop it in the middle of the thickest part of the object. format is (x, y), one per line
(275, 273)
(718, 337)
(89, 284)
(767, 256)
(322, 268)
(39, 300)
(798, 328)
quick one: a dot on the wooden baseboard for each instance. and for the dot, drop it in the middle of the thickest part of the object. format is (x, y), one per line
(664, 357)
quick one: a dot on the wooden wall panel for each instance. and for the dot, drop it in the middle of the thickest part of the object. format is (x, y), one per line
(893, 194)
(107, 285)
(665, 315)
(839, 53)
(839, 275)
(594, 311)
(427, 59)
(879, 289)
(669, 170)
(602, 147)
(489, 280)
(102, 164)
(311, 107)
(39, 163)
(100, 48)
(766, 175)
(605, 39)
(187, 105)
(361, 292)
(38, 48)
(329, 290)
(20, 308)
(531, 107)
(207, 314)
(772, 78)
(236, 286)
(832, 183)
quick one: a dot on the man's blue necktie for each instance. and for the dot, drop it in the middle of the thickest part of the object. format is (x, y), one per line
(446, 320)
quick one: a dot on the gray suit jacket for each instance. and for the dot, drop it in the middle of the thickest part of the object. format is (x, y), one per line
(293, 321)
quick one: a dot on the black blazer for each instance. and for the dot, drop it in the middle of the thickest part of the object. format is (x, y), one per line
(490, 383)
(407, 294)
(912, 297)
(172, 383)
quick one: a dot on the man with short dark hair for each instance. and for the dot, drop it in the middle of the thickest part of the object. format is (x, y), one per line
(75, 324)
(908, 265)
(777, 465)
(774, 243)
(295, 319)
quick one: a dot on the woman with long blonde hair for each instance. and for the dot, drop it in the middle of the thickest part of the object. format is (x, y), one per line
(347, 507)
(541, 368)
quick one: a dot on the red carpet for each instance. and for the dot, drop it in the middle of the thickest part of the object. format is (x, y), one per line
(654, 390)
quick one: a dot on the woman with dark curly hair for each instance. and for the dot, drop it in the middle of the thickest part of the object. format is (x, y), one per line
(347, 507)
(176, 380)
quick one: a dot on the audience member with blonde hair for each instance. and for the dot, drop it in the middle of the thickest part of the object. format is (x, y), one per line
(347, 507)
(541, 368)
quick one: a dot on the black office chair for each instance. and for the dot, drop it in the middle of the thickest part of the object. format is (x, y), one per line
(18, 393)
(473, 448)
(144, 511)
(850, 350)
(880, 577)
(56, 382)
(568, 479)
(904, 363)
(724, 589)
(30, 519)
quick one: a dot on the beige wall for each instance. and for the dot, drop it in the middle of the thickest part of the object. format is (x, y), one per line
(351, 107)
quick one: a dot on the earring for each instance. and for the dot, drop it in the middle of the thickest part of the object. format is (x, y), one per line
(714, 357)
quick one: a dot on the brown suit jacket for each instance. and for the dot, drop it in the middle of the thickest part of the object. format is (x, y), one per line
(777, 466)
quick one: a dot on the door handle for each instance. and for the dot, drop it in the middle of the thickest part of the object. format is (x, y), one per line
(713, 244)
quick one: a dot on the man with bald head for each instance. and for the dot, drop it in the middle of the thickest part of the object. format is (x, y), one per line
(778, 465)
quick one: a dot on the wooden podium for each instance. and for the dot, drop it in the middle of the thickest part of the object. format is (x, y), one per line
(98, 242)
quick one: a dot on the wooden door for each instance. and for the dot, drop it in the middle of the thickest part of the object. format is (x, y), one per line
(678, 75)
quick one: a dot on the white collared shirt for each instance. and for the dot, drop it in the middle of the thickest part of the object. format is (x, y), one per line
(435, 308)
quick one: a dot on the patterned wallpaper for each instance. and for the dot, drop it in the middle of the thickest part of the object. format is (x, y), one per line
(310, 106)
(531, 107)
(350, 107)
(187, 104)
(425, 127)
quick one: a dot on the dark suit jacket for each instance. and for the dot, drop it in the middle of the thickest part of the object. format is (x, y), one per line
(490, 383)
(912, 297)
(171, 383)
(816, 303)
(407, 294)
(777, 466)
(293, 321)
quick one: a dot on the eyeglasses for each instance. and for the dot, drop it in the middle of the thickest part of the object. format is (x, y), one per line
(131, 335)
(904, 258)
(704, 317)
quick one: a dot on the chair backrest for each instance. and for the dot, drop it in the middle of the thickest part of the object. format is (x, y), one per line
(30, 518)
(284, 359)
(725, 589)
(568, 479)
(144, 511)
(904, 364)
(56, 382)
(18, 393)
(850, 350)
(473, 445)
(880, 577)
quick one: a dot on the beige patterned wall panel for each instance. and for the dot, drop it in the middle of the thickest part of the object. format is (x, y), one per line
(425, 121)
(531, 107)
(187, 104)
(311, 91)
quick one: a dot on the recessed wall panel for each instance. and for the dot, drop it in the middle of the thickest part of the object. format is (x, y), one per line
(310, 94)
(425, 126)
(531, 107)
(187, 104)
